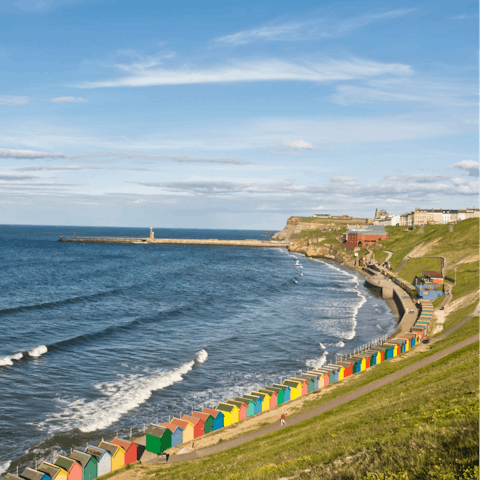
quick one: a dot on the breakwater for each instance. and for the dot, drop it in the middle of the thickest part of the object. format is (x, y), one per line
(177, 241)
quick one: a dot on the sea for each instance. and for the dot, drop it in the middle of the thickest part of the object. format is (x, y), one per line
(98, 340)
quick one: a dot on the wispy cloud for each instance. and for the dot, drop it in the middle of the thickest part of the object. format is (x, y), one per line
(257, 71)
(309, 29)
(68, 100)
(67, 168)
(449, 93)
(417, 178)
(463, 17)
(283, 152)
(300, 144)
(34, 155)
(470, 166)
(18, 100)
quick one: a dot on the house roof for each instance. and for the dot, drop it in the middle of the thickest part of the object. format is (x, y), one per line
(32, 474)
(80, 457)
(432, 274)
(368, 230)
(155, 430)
(96, 452)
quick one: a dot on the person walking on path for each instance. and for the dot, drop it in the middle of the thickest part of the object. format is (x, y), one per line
(282, 419)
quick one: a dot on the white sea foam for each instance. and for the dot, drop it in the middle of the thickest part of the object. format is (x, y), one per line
(321, 345)
(4, 466)
(317, 362)
(8, 361)
(37, 351)
(339, 344)
(380, 328)
(201, 356)
(118, 397)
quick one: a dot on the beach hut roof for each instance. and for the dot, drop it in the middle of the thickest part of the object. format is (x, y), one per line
(111, 447)
(213, 412)
(80, 457)
(268, 391)
(323, 371)
(260, 394)
(245, 400)
(291, 384)
(155, 430)
(255, 398)
(11, 476)
(95, 451)
(237, 403)
(283, 387)
(32, 474)
(202, 416)
(178, 421)
(125, 444)
(275, 389)
(192, 420)
(227, 407)
(50, 469)
(170, 426)
(333, 367)
(64, 462)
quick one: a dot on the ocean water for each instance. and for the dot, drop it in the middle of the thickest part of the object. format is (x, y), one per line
(97, 339)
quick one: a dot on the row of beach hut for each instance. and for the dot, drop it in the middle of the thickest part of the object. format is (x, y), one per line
(110, 456)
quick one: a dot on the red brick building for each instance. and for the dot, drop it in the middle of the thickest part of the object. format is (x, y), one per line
(362, 237)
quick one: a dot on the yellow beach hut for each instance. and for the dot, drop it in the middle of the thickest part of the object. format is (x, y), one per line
(295, 388)
(187, 428)
(231, 409)
(117, 453)
(265, 399)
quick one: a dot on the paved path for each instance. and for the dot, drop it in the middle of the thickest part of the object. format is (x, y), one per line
(420, 230)
(461, 323)
(348, 397)
(407, 257)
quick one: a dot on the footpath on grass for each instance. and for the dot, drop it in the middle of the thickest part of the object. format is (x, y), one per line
(348, 397)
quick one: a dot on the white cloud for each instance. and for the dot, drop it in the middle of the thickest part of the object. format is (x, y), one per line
(470, 166)
(283, 152)
(28, 154)
(343, 179)
(69, 100)
(310, 29)
(257, 71)
(301, 144)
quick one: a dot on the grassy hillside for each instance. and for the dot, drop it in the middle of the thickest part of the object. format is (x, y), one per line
(423, 426)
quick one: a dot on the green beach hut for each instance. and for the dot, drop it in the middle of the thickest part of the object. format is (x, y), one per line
(88, 463)
(158, 438)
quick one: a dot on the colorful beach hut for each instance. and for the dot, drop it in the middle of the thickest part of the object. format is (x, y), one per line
(11, 476)
(320, 378)
(347, 367)
(207, 421)
(381, 351)
(186, 427)
(242, 408)
(258, 402)
(295, 388)
(73, 468)
(217, 417)
(30, 474)
(53, 471)
(287, 391)
(265, 399)
(198, 425)
(104, 459)
(313, 377)
(158, 439)
(395, 346)
(117, 453)
(273, 396)
(327, 375)
(177, 433)
(280, 393)
(336, 371)
(130, 449)
(303, 382)
(230, 412)
(88, 463)
(250, 404)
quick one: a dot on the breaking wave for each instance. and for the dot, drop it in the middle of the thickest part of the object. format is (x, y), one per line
(34, 353)
(4, 467)
(117, 398)
(317, 362)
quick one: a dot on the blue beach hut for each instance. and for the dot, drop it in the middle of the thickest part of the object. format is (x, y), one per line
(334, 373)
(217, 417)
(258, 402)
(313, 378)
(177, 433)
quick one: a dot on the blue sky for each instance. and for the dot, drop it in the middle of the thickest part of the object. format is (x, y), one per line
(215, 115)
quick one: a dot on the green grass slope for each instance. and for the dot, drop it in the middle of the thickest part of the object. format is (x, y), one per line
(424, 426)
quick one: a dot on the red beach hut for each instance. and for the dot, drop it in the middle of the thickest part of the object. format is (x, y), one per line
(348, 366)
(273, 396)
(74, 469)
(129, 447)
(242, 408)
